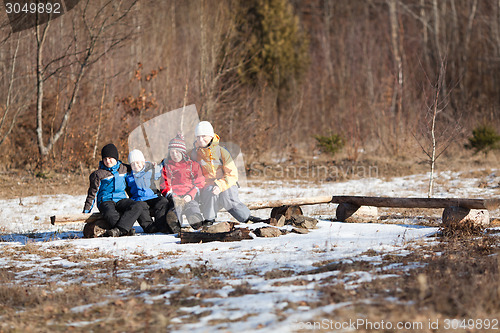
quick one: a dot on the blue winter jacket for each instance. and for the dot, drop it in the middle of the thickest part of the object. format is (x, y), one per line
(108, 184)
(140, 183)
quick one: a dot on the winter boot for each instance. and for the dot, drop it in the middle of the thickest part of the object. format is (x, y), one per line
(173, 221)
(208, 223)
(151, 229)
(195, 221)
(254, 219)
(131, 232)
(115, 232)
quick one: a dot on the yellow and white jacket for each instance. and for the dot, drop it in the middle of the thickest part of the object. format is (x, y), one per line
(217, 165)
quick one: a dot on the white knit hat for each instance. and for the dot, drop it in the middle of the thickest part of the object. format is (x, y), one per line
(204, 128)
(136, 156)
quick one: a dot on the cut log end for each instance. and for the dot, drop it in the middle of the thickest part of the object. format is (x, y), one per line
(460, 217)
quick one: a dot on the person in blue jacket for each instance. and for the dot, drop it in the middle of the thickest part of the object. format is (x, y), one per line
(108, 185)
(142, 188)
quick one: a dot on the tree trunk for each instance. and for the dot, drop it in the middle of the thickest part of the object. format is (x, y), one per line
(40, 40)
(7, 102)
(398, 90)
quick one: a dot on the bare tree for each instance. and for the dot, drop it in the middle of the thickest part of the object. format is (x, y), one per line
(8, 101)
(397, 99)
(99, 25)
(436, 140)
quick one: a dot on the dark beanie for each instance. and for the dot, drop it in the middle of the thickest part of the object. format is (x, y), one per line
(109, 150)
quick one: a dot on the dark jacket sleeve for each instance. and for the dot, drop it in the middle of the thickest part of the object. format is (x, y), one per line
(93, 188)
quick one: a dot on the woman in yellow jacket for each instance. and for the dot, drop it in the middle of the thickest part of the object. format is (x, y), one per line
(221, 175)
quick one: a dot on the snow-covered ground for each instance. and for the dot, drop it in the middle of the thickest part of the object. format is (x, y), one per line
(24, 221)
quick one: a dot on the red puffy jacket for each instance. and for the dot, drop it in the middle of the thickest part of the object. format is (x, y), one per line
(184, 177)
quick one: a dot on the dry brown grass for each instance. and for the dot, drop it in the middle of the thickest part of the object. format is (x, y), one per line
(21, 183)
(454, 277)
(38, 304)
(461, 230)
(459, 279)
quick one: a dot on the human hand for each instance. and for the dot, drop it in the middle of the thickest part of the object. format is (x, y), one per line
(187, 198)
(216, 190)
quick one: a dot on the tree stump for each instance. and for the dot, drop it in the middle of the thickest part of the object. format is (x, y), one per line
(287, 211)
(347, 212)
(460, 218)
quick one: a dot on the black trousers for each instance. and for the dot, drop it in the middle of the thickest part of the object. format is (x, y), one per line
(158, 208)
(122, 214)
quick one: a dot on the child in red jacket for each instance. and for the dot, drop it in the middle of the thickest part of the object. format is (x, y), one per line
(183, 178)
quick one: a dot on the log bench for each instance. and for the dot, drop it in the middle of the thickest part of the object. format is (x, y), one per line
(86, 218)
(455, 210)
(358, 208)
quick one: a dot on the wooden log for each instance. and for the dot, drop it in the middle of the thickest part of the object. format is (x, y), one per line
(489, 204)
(75, 218)
(359, 201)
(236, 234)
(289, 202)
(277, 221)
(347, 212)
(85, 218)
(95, 228)
(460, 217)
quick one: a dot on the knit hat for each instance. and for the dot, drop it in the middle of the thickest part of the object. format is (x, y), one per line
(109, 150)
(178, 143)
(204, 128)
(136, 156)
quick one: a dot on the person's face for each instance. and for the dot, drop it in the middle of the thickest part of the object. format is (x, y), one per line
(175, 155)
(203, 140)
(109, 162)
(137, 165)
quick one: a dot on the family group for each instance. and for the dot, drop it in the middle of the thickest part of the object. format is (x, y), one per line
(195, 185)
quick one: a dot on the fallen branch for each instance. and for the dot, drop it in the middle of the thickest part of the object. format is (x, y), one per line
(234, 235)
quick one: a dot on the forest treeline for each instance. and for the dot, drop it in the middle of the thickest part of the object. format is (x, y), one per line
(269, 74)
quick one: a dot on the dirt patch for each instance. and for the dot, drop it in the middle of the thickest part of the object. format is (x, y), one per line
(19, 184)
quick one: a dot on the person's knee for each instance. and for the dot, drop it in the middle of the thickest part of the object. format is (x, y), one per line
(240, 214)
